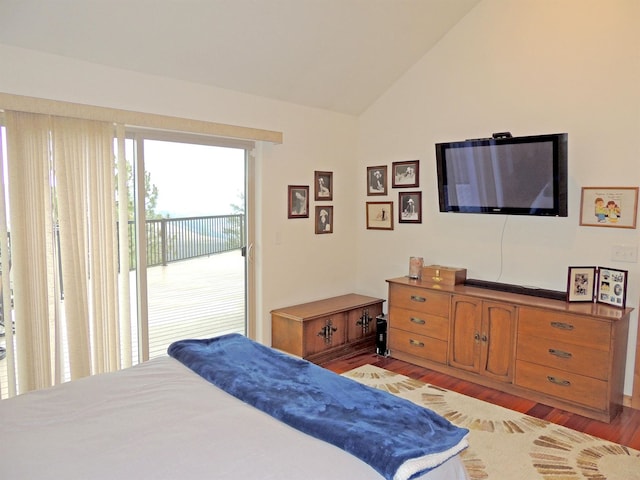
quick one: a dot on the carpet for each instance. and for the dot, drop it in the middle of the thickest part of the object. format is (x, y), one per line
(504, 444)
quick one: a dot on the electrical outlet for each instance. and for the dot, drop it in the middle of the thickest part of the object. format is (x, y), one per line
(625, 253)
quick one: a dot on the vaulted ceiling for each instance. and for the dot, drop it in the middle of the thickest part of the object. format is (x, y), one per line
(339, 55)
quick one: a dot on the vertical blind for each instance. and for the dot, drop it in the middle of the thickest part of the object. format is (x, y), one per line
(62, 213)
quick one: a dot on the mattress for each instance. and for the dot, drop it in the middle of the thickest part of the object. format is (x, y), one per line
(160, 420)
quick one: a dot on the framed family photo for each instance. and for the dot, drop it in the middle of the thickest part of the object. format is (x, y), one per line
(380, 215)
(324, 219)
(614, 207)
(581, 284)
(377, 180)
(324, 185)
(612, 287)
(410, 207)
(298, 201)
(405, 174)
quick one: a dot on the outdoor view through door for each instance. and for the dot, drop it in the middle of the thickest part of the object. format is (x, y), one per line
(195, 228)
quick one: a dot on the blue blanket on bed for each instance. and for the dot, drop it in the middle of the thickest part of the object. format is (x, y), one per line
(398, 438)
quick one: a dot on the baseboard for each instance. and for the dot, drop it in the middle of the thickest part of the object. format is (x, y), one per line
(627, 402)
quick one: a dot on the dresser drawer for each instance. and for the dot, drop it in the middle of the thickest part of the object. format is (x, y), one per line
(558, 383)
(420, 323)
(418, 345)
(564, 356)
(575, 329)
(413, 298)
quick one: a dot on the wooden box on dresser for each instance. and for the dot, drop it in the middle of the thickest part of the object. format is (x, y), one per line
(327, 328)
(566, 355)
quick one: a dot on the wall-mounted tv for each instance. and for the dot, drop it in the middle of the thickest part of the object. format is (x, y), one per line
(504, 175)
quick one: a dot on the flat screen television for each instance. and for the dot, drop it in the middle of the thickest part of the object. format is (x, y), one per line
(504, 175)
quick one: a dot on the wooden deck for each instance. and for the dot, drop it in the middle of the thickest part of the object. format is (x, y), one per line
(198, 298)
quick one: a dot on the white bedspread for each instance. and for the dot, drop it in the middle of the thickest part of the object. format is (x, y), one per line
(159, 420)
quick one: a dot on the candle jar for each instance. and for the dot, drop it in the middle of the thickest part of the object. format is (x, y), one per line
(415, 267)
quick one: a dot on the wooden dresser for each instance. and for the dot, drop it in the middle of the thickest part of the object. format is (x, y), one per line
(566, 355)
(328, 328)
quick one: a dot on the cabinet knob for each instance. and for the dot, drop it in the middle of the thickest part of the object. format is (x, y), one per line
(417, 321)
(417, 298)
(416, 343)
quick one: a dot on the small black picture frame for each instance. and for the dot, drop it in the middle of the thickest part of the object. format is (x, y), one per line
(581, 284)
(612, 287)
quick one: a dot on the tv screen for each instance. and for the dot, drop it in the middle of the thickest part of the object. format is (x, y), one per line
(512, 175)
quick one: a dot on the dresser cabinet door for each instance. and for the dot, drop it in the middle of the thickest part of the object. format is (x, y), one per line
(483, 337)
(324, 333)
(497, 338)
(466, 323)
(361, 322)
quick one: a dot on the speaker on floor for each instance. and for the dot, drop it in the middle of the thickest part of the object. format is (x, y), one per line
(381, 335)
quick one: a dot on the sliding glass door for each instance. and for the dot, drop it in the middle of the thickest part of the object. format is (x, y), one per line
(189, 270)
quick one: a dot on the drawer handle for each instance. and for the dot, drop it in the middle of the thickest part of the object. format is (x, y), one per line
(416, 343)
(560, 353)
(557, 381)
(418, 321)
(562, 325)
(417, 298)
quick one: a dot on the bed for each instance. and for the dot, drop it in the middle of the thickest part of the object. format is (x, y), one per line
(162, 420)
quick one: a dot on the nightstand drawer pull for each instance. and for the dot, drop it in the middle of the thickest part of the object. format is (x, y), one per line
(562, 325)
(560, 353)
(557, 381)
(416, 298)
(416, 343)
(418, 321)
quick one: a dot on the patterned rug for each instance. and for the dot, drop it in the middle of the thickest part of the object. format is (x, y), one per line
(505, 444)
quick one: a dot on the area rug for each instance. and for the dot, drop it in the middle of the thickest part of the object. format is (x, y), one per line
(506, 445)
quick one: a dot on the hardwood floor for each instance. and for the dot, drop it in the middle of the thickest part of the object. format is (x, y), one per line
(625, 428)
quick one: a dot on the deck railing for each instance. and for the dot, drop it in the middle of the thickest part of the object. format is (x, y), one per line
(174, 239)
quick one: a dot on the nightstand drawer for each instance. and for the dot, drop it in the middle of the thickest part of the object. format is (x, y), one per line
(420, 323)
(564, 356)
(558, 383)
(418, 345)
(419, 299)
(574, 329)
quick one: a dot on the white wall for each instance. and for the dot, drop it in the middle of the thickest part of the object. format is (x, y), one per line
(528, 67)
(295, 264)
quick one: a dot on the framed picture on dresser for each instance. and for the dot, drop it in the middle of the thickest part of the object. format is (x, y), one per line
(612, 287)
(581, 284)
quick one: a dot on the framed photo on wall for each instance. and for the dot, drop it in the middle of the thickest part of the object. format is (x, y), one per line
(324, 219)
(410, 207)
(405, 174)
(324, 185)
(380, 215)
(298, 201)
(377, 180)
(615, 207)
(612, 287)
(581, 284)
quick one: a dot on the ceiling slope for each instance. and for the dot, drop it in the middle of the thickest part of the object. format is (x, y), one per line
(339, 55)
